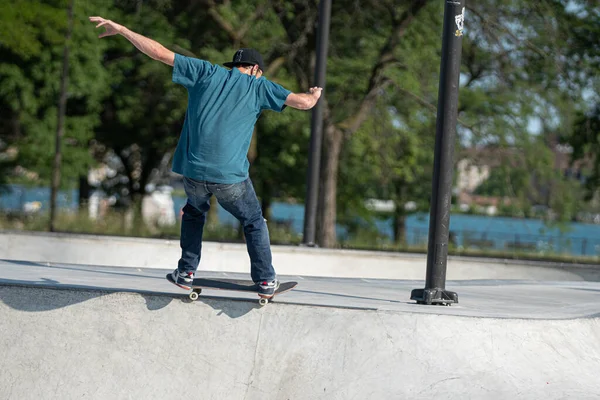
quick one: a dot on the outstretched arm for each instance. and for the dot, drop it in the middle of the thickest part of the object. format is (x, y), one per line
(304, 101)
(147, 46)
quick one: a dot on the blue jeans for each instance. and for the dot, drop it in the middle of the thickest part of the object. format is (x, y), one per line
(240, 200)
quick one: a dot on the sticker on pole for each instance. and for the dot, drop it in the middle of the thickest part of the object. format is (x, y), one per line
(460, 21)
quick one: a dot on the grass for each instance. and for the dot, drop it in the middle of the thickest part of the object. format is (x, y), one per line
(122, 224)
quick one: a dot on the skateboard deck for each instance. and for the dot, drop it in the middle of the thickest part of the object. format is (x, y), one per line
(236, 285)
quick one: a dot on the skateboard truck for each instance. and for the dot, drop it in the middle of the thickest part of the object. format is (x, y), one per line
(195, 294)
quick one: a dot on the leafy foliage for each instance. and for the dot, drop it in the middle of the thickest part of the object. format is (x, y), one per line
(529, 78)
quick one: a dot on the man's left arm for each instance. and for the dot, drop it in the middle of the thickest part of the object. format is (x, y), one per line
(304, 101)
(150, 47)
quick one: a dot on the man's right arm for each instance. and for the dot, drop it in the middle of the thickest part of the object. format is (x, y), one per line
(150, 47)
(304, 101)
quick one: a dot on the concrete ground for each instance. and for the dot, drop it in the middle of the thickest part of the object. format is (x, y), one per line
(77, 330)
(74, 331)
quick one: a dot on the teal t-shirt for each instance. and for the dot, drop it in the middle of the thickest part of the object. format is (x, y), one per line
(223, 106)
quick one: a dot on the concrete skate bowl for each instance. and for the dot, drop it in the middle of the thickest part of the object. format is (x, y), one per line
(75, 344)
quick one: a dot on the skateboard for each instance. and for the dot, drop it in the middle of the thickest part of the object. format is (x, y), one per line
(236, 285)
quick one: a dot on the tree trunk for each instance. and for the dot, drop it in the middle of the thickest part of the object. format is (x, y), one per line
(137, 223)
(60, 125)
(326, 234)
(399, 226)
(84, 192)
(266, 201)
(400, 213)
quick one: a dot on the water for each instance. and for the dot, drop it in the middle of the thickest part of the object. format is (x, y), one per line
(19, 195)
(468, 231)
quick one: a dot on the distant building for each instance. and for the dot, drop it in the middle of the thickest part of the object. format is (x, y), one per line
(473, 168)
(475, 165)
(470, 175)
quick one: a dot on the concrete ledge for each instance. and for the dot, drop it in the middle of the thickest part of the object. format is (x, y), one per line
(96, 345)
(288, 260)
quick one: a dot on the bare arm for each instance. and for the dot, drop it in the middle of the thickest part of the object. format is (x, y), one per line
(304, 101)
(151, 48)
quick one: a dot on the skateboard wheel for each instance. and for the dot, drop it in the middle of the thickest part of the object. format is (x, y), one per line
(263, 302)
(193, 296)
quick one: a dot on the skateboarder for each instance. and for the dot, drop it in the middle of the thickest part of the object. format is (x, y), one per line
(223, 107)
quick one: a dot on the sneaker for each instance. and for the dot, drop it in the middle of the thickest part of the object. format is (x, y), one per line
(267, 288)
(183, 280)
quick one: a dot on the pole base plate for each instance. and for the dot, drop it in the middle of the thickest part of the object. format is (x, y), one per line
(434, 296)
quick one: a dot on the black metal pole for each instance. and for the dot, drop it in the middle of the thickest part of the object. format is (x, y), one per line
(439, 221)
(316, 138)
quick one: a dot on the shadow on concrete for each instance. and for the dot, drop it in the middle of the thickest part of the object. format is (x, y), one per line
(23, 296)
(36, 297)
(87, 269)
(232, 307)
(156, 301)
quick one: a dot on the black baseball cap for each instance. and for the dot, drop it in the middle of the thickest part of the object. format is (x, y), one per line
(246, 56)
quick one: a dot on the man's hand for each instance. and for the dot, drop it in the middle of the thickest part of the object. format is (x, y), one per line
(112, 28)
(304, 101)
(147, 46)
(316, 92)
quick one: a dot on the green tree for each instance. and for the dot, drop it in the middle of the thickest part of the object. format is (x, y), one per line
(521, 92)
(21, 39)
(29, 85)
(585, 140)
(364, 41)
(584, 67)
